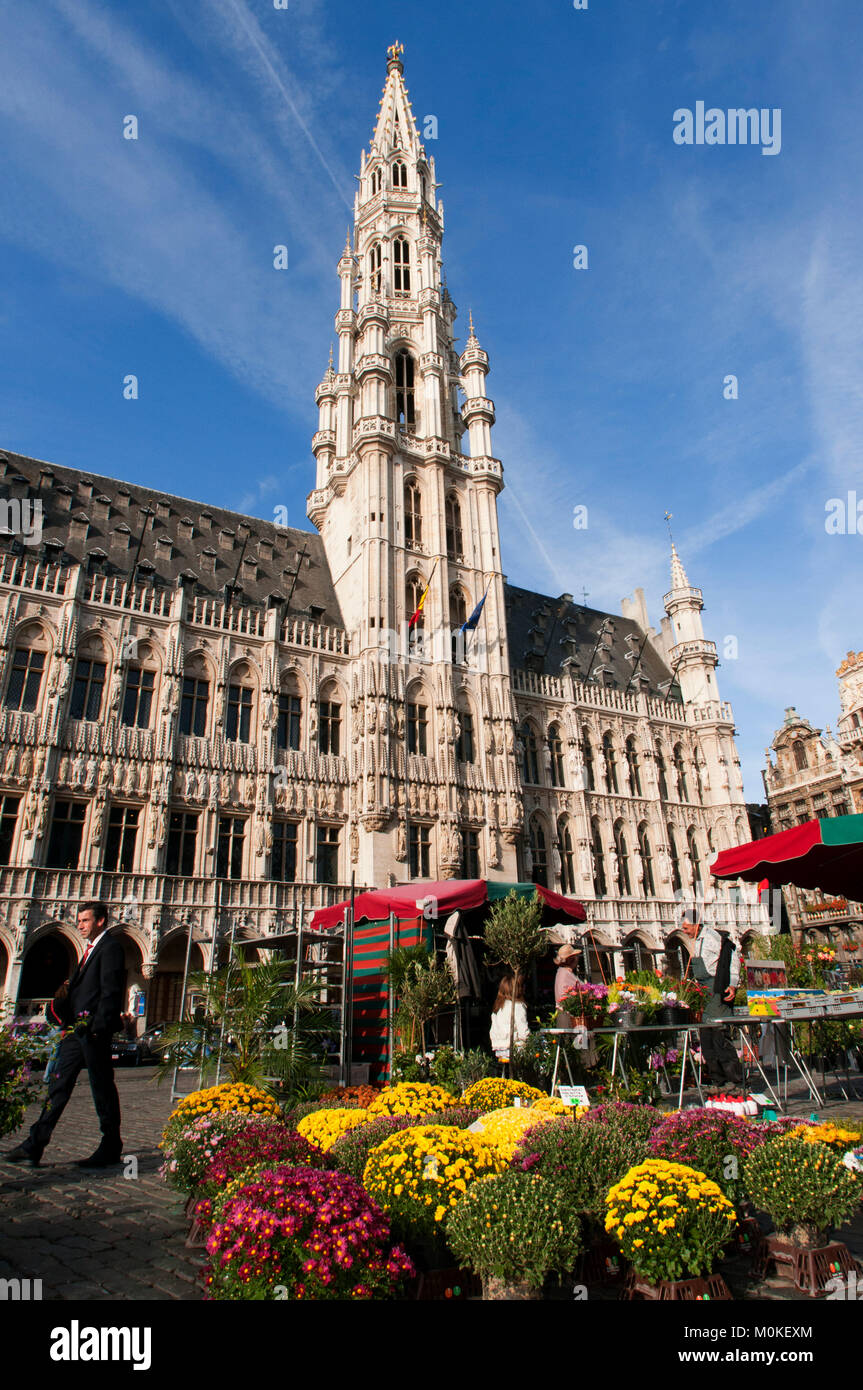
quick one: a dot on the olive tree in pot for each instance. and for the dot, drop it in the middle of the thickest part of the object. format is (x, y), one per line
(514, 938)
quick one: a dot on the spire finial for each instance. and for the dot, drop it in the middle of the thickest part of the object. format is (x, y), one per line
(395, 51)
(348, 247)
(668, 517)
(470, 322)
(330, 363)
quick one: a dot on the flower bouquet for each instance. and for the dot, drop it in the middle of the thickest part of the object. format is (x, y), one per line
(586, 1003)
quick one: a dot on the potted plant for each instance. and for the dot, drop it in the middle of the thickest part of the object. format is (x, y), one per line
(804, 1188)
(672, 1223)
(513, 1231)
(514, 938)
(623, 1007)
(586, 1001)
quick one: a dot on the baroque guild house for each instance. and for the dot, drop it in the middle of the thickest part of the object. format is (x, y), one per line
(214, 722)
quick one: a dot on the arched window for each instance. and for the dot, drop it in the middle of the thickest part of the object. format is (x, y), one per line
(417, 724)
(539, 872)
(400, 174)
(677, 957)
(466, 743)
(89, 685)
(555, 748)
(289, 719)
(600, 887)
(413, 516)
(414, 590)
(377, 180)
(454, 543)
(676, 884)
(194, 706)
(624, 880)
(457, 617)
(423, 187)
(375, 268)
(632, 763)
(29, 663)
(330, 720)
(694, 854)
(587, 760)
(660, 773)
(401, 266)
(567, 858)
(610, 762)
(140, 687)
(680, 773)
(530, 761)
(800, 759)
(646, 860)
(405, 392)
(238, 715)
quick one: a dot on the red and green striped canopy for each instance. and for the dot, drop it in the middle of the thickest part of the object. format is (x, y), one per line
(825, 854)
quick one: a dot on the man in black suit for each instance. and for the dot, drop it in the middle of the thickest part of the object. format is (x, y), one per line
(88, 1006)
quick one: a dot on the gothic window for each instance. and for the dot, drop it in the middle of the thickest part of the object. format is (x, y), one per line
(377, 180)
(465, 748)
(229, 849)
(470, 865)
(9, 806)
(138, 697)
(660, 773)
(87, 689)
(283, 865)
(417, 728)
(419, 850)
(680, 773)
(555, 748)
(329, 727)
(375, 268)
(238, 724)
(457, 617)
(182, 844)
(414, 590)
(193, 708)
(646, 860)
(289, 720)
(121, 839)
(567, 858)
(454, 542)
(587, 759)
(800, 759)
(677, 957)
(676, 883)
(530, 761)
(405, 392)
(632, 762)
(400, 174)
(25, 679)
(401, 266)
(327, 854)
(624, 881)
(67, 831)
(423, 187)
(599, 884)
(694, 855)
(539, 872)
(413, 517)
(610, 762)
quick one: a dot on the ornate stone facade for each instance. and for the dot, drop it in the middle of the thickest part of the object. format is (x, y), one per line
(210, 719)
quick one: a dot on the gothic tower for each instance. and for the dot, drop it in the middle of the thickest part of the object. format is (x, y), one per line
(406, 503)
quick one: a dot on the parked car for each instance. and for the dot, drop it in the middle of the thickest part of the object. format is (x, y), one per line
(136, 1052)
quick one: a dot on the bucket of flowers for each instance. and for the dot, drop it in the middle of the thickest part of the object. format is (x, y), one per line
(623, 1006)
(586, 1003)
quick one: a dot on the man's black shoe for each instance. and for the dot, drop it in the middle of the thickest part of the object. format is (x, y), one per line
(24, 1155)
(101, 1159)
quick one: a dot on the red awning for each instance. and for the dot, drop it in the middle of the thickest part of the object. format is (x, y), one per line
(450, 895)
(825, 854)
(558, 903)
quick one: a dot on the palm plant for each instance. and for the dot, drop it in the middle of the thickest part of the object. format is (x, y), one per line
(257, 1024)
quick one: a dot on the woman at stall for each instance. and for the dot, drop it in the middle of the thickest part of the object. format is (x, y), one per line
(510, 996)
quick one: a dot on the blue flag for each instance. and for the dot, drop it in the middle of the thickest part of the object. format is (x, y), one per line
(472, 621)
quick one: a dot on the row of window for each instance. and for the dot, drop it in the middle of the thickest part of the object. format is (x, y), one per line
(414, 520)
(625, 868)
(88, 693)
(398, 178)
(613, 772)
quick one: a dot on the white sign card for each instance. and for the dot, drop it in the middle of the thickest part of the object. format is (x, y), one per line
(573, 1095)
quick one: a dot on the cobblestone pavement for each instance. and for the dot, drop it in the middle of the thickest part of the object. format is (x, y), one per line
(99, 1235)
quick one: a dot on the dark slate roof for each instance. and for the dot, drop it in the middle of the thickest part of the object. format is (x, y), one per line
(102, 511)
(543, 633)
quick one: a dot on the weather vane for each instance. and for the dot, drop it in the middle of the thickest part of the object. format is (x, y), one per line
(668, 516)
(394, 50)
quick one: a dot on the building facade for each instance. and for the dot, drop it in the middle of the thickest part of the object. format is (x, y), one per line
(214, 722)
(812, 773)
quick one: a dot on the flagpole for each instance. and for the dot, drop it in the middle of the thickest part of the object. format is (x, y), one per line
(481, 606)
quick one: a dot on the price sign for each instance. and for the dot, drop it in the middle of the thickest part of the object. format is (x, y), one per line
(573, 1095)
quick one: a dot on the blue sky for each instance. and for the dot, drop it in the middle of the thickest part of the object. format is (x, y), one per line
(154, 257)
